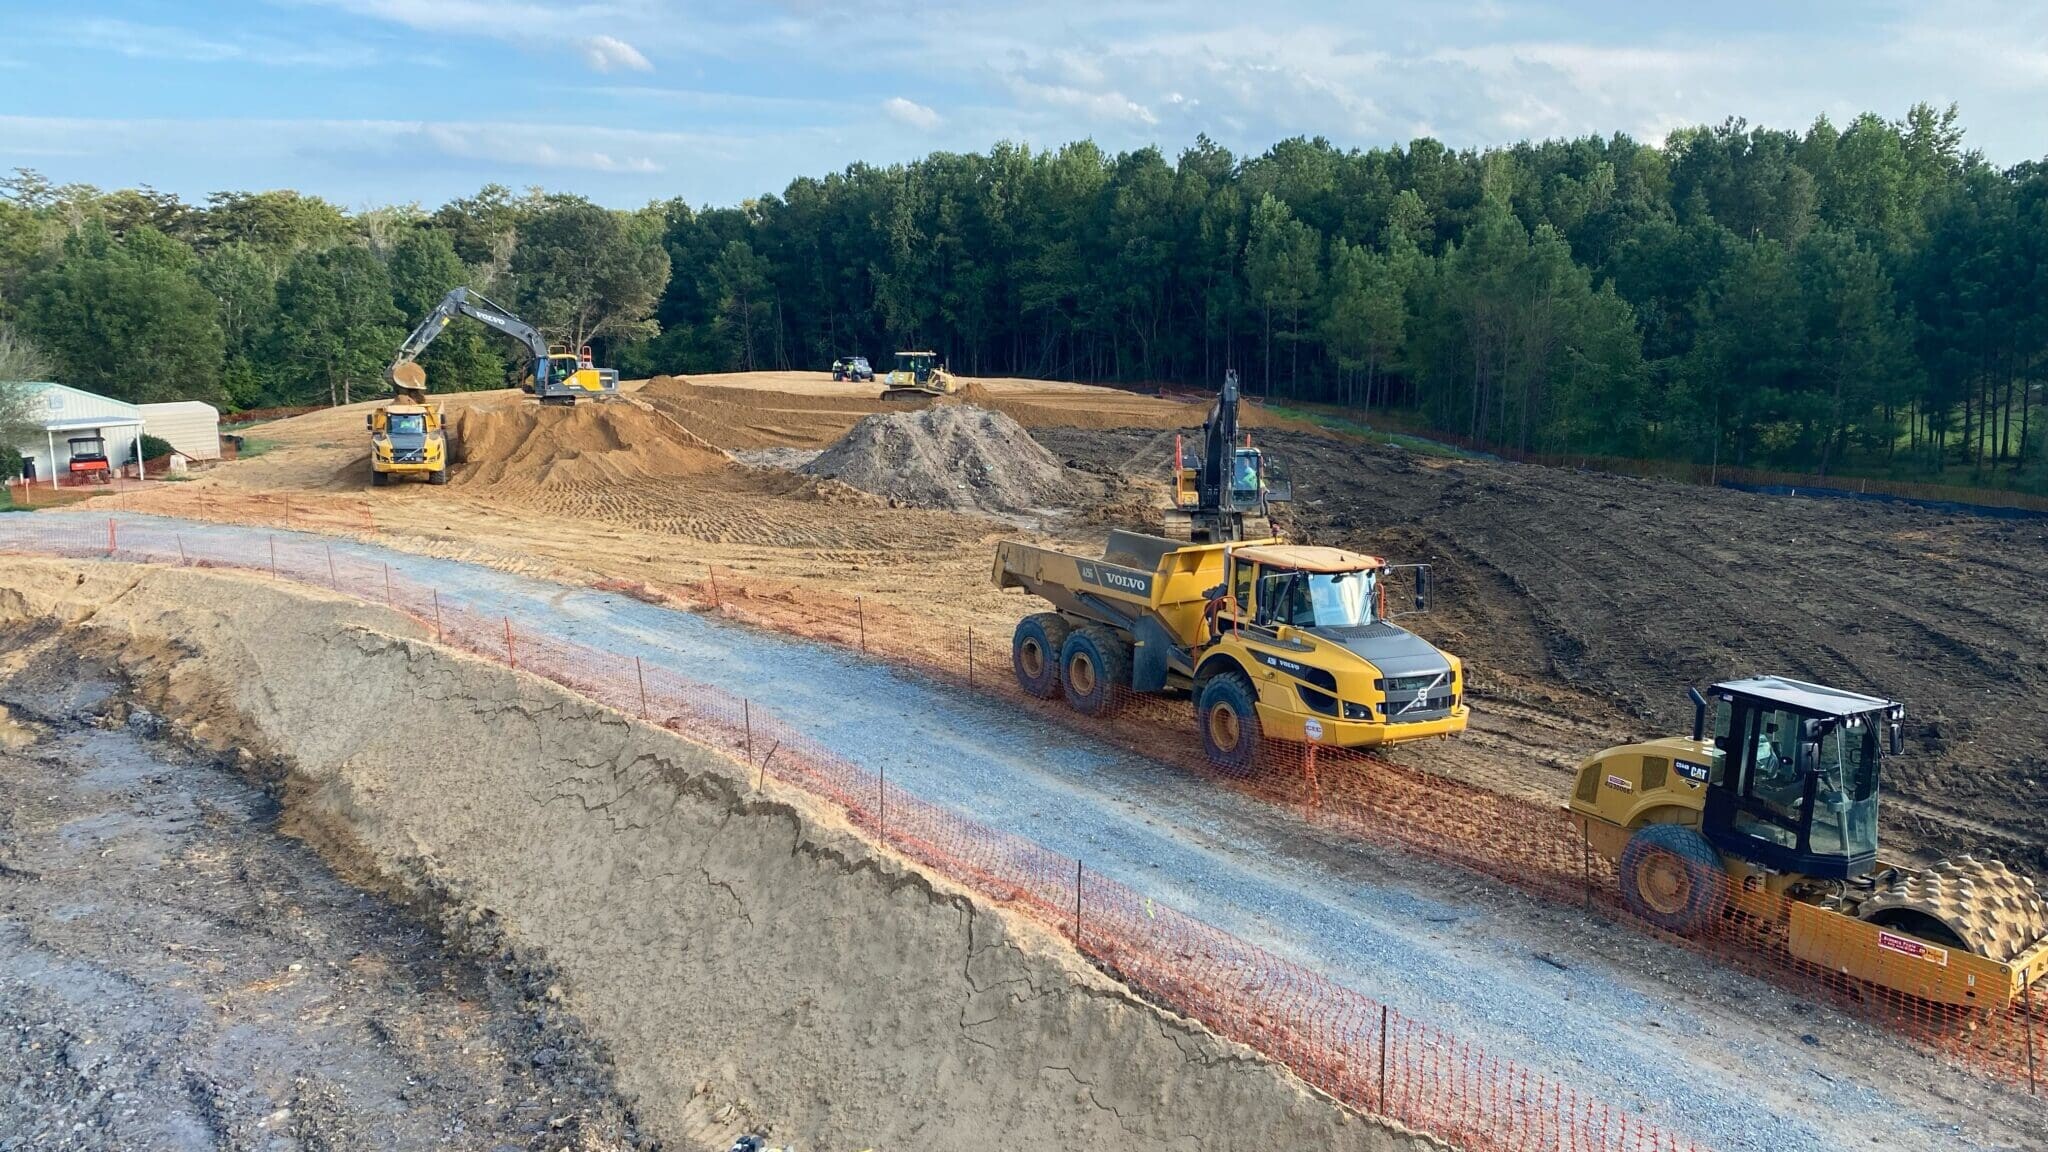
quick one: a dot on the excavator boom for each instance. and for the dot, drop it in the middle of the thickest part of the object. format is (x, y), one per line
(575, 380)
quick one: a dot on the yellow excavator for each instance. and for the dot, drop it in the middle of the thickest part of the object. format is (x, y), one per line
(1770, 819)
(918, 376)
(555, 375)
(1272, 641)
(1226, 492)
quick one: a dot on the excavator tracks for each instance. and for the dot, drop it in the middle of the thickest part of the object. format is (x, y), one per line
(1996, 912)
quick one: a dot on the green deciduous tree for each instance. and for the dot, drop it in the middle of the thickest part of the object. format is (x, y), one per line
(128, 318)
(336, 326)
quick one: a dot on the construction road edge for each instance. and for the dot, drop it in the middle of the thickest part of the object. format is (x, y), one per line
(746, 957)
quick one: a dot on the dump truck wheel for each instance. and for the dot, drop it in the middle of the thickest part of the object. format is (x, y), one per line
(1094, 663)
(1671, 877)
(438, 475)
(1035, 653)
(1227, 710)
(379, 479)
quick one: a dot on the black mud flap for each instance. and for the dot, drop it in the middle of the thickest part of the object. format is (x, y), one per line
(1150, 655)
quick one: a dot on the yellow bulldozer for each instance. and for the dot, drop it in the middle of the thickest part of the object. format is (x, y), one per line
(1270, 640)
(919, 376)
(1769, 820)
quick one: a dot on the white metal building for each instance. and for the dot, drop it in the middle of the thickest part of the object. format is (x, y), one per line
(190, 426)
(63, 413)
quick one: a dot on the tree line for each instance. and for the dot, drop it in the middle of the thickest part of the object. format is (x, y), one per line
(1871, 297)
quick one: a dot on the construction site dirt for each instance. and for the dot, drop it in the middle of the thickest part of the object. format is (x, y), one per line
(177, 973)
(1583, 604)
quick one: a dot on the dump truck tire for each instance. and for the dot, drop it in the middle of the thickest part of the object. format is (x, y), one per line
(1672, 878)
(438, 475)
(1095, 663)
(1227, 710)
(379, 479)
(1035, 653)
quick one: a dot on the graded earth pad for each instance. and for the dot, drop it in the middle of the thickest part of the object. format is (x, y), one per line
(946, 456)
(743, 957)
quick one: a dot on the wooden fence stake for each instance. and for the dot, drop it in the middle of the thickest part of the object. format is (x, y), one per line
(747, 715)
(640, 674)
(1077, 902)
(182, 561)
(332, 579)
(111, 546)
(439, 635)
(882, 796)
(970, 657)
(860, 613)
(1383, 1063)
(273, 557)
(2027, 1006)
(509, 657)
(387, 585)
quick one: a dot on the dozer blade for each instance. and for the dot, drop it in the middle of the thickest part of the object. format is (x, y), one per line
(907, 395)
(1996, 912)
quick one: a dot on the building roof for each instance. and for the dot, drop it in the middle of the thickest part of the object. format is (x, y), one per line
(61, 408)
(1800, 696)
(1309, 558)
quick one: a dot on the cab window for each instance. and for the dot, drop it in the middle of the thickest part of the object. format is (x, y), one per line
(1241, 586)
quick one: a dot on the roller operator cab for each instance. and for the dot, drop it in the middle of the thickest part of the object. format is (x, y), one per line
(1768, 812)
(1269, 640)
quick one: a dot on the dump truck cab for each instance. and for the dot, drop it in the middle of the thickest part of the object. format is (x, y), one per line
(1269, 640)
(1308, 628)
(407, 438)
(1769, 812)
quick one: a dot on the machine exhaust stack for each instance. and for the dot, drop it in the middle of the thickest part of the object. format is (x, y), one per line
(1699, 714)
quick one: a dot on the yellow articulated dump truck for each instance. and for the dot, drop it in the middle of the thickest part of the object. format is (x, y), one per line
(1271, 640)
(1769, 821)
(407, 438)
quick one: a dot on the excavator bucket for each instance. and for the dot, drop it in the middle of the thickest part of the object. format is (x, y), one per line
(409, 377)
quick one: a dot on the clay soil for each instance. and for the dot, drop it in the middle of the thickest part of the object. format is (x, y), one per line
(1583, 604)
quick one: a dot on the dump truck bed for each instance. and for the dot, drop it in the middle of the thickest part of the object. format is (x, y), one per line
(1137, 574)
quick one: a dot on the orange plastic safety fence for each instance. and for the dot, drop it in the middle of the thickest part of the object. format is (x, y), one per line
(1360, 1051)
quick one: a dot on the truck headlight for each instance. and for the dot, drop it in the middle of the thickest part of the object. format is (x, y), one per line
(1357, 711)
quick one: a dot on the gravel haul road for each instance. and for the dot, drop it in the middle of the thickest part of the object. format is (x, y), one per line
(1727, 1060)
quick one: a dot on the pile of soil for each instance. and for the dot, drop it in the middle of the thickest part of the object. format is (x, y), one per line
(946, 456)
(739, 418)
(528, 444)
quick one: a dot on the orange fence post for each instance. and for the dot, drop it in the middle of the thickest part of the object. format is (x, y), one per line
(110, 536)
(510, 658)
(712, 570)
(438, 634)
(641, 676)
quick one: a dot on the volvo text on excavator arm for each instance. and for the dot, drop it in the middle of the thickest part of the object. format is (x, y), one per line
(558, 377)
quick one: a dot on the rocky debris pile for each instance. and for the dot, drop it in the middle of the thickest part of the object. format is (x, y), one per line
(946, 456)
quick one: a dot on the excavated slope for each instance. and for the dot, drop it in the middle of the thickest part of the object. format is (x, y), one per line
(746, 958)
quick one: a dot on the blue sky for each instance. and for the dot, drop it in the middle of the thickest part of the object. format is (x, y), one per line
(379, 101)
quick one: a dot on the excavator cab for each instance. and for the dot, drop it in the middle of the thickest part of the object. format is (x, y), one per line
(1792, 781)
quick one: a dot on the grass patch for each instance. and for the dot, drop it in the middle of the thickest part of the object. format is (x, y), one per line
(1357, 430)
(253, 447)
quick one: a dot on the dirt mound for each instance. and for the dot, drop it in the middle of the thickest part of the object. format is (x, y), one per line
(946, 456)
(549, 446)
(743, 418)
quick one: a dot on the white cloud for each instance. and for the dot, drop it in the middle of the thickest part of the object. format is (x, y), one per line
(611, 54)
(910, 112)
(1110, 106)
(162, 42)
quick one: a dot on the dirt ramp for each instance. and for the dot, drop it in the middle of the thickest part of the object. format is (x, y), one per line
(750, 418)
(946, 456)
(745, 959)
(540, 445)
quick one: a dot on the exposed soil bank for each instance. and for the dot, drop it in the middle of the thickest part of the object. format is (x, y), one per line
(745, 959)
(176, 974)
